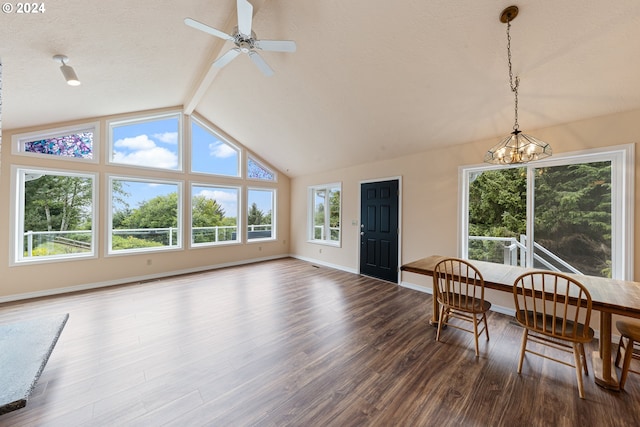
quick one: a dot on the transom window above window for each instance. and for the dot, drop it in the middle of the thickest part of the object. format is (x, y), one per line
(152, 142)
(324, 212)
(210, 153)
(70, 143)
(256, 170)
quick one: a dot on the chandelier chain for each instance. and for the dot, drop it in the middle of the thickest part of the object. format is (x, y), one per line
(514, 86)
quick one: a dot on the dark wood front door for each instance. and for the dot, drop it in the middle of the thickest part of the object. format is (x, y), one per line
(379, 230)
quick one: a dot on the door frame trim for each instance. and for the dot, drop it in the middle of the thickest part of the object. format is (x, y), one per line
(368, 181)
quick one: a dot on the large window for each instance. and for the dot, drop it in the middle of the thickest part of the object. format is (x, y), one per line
(324, 212)
(210, 153)
(145, 215)
(571, 214)
(77, 143)
(152, 142)
(55, 212)
(214, 214)
(261, 214)
(158, 208)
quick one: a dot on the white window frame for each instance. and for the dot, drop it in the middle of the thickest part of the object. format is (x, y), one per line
(18, 142)
(18, 209)
(109, 225)
(274, 209)
(111, 124)
(209, 128)
(239, 222)
(311, 215)
(622, 201)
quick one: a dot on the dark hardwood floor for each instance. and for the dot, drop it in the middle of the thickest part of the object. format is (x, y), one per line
(285, 343)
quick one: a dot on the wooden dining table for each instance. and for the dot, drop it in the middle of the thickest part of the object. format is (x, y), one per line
(609, 297)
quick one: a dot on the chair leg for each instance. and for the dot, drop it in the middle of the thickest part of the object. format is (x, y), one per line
(577, 354)
(486, 327)
(475, 332)
(525, 335)
(619, 353)
(584, 360)
(441, 320)
(626, 364)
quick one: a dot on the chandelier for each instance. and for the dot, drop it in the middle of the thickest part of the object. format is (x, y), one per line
(517, 147)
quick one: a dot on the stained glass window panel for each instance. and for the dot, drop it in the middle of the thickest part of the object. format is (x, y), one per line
(78, 145)
(257, 171)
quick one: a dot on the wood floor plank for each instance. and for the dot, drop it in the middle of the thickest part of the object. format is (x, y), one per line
(287, 343)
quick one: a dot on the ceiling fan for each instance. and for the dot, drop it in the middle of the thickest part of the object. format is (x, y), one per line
(244, 39)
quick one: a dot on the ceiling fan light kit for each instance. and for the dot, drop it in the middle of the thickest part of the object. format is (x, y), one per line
(517, 147)
(245, 40)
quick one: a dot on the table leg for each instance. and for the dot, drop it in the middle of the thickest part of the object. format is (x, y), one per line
(603, 369)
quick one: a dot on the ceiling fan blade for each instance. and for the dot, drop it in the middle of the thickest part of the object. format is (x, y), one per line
(226, 58)
(207, 29)
(261, 64)
(276, 45)
(245, 16)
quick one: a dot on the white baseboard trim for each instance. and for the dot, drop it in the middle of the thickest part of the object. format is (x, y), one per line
(497, 308)
(131, 280)
(326, 264)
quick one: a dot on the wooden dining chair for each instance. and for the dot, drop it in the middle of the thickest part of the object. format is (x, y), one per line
(555, 310)
(459, 289)
(629, 332)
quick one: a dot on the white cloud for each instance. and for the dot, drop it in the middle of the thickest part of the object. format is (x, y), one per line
(140, 142)
(167, 137)
(142, 151)
(221, 150)
(156, 157)
(227, 200)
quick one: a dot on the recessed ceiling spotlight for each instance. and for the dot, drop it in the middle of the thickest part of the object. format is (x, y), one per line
(67, 71)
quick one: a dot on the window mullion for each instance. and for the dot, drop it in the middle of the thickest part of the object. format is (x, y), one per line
(530, 231)
(327, 214)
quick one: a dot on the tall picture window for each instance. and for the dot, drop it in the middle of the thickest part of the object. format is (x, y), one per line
(324, 213)
(261, 214)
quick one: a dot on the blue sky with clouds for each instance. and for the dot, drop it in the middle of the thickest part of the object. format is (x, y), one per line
(155, 144)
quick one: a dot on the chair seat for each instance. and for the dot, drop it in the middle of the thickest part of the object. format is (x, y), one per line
(549, 330)
(470, 305)
(629, 330)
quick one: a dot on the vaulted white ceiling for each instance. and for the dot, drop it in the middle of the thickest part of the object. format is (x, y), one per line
(370, 80)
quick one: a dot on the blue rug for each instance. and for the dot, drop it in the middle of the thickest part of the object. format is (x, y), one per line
(25, 348)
